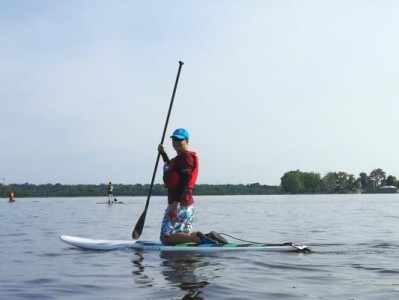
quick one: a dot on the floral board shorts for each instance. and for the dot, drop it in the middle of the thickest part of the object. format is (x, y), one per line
(182, 224)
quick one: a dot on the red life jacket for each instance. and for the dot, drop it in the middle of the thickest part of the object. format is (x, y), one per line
(171, 177)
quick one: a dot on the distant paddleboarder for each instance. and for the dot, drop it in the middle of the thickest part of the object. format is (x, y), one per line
(111, 198)
(11, 196)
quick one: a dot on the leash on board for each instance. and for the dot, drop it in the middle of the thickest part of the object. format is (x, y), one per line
(303, 249)
(252, 242)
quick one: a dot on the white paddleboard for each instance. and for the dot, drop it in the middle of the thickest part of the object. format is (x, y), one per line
(93, 244)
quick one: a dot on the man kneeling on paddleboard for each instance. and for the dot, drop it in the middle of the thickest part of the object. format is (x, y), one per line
(180, 175)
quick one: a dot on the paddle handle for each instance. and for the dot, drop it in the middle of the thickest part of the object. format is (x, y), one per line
(171, 102)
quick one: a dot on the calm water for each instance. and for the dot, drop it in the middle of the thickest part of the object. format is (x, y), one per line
(354, 238)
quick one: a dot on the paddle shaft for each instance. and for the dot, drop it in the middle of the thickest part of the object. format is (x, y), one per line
(138, 229)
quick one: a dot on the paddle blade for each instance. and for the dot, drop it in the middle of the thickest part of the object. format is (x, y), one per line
(138, 229)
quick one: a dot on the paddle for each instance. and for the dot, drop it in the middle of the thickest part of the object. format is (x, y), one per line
(138, 229)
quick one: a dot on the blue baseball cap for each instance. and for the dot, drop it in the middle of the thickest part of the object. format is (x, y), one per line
(180, 134)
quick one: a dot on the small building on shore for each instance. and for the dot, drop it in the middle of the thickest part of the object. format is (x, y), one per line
(387, 189)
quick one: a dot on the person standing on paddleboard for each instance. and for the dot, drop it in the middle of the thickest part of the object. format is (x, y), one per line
(11, 196)
(110, 192)
(180, 175)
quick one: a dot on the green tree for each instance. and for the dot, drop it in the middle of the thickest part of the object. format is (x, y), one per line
(330, 182)
(312, 182)
(391, 180)
(340, 182)
(364, 181)
(292, 182)
(378, 177)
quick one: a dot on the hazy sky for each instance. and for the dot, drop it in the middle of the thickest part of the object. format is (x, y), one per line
(267, 87)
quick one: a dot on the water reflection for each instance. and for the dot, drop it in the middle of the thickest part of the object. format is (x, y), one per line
(139, 268)
(190, 272)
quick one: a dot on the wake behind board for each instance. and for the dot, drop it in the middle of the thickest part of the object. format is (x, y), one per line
(93, 244)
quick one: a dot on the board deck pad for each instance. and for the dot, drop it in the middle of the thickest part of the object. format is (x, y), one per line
(94, 244)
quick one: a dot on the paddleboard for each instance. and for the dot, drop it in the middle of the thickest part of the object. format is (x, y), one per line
(110, 203)
(93, 244)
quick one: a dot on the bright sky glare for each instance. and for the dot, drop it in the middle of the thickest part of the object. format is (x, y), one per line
(267, 87)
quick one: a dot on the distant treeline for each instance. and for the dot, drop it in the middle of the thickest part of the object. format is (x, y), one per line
(292, 182)
(89, 190)
(297, 182)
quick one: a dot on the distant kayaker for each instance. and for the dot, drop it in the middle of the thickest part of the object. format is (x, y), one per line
(180, 175)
